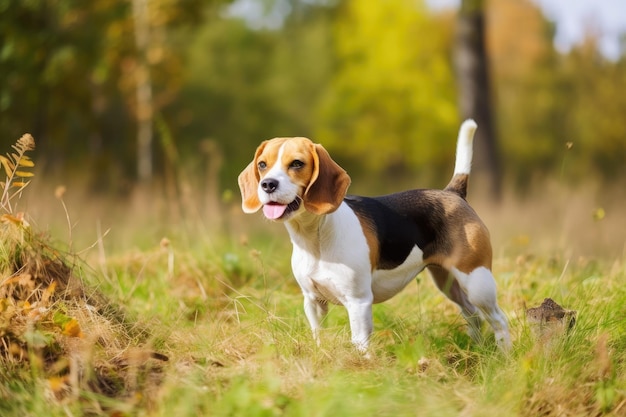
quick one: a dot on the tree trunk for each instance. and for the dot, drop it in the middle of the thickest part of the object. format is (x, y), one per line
(143, 92)
(475, 92)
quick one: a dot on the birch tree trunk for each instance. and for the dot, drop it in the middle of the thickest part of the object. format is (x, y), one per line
(475, 90)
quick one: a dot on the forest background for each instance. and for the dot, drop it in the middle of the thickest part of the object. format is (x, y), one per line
(177, 95)
(133, 284)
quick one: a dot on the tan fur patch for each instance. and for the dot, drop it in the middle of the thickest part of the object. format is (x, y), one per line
(476, 246)
(469, 243)
(372, 241)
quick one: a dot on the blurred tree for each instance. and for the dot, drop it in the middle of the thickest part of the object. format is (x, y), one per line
(391, 103)
(530, 91)
(245, 85)
(560, 114)
(143, 88)
(50, 65)
(474, 81)
(69, 74)
(597, 107)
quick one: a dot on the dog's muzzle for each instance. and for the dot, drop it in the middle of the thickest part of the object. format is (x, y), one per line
(275, 210)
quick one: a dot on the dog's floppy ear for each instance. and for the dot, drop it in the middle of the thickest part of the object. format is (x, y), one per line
(249, 183)
(328, 184)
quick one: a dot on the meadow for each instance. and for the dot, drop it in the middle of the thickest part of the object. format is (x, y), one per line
(163, 307)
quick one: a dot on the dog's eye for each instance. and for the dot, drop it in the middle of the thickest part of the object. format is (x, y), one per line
(262, 165)
(296, 164)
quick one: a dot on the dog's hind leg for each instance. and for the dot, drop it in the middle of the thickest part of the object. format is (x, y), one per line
(448, 285)
(480, 288)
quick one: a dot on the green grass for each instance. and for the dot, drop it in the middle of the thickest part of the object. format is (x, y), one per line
(247, 351)
(228, 315)
(253, 356)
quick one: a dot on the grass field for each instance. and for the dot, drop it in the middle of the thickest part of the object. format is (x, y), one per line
(192, 315)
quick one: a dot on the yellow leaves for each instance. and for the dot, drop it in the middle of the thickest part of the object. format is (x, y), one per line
(69, 325)
(44, 311)
(59, 385)
(15, 167)
(7, 165)
(72, 329)
(48, 292)
(386, 82)
(16, 351)
(26, 162)
(11, 165)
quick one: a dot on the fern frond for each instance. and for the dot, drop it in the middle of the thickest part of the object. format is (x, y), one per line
(15, 165)
(26, 162)
(7, 165)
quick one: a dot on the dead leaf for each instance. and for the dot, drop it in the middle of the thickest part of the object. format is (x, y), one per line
(72, 329)
(59, 386)
(17, 220)
(48, 292)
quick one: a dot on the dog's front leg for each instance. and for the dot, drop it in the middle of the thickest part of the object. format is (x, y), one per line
(361, 326)
(315, 310)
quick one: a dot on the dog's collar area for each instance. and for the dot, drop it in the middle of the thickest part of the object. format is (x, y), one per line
(275, 211)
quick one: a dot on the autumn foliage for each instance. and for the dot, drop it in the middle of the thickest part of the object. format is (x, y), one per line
(373, 82)
(52, 325)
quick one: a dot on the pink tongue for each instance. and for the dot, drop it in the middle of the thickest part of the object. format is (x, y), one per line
(274, 211)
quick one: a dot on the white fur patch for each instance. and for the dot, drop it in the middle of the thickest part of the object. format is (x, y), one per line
(463, 164)
(388, 282)
(324, 265)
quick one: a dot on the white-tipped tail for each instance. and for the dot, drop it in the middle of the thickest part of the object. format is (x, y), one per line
(463, 164)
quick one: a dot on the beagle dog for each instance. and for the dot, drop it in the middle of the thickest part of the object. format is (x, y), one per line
(357, 251)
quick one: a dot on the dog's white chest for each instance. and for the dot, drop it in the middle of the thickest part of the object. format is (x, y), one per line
(335, 264)
(331, 262)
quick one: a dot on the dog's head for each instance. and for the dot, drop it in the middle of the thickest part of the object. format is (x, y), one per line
(288, 175)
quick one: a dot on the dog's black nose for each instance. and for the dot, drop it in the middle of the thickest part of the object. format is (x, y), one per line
(269, 185)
